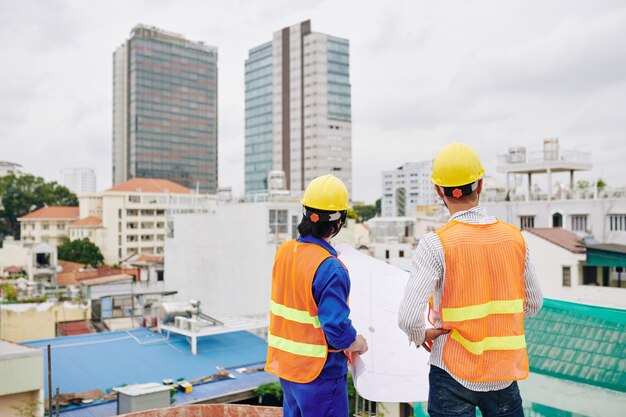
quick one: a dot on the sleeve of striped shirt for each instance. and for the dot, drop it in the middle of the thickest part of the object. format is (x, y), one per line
(534, 297)
(426, 270)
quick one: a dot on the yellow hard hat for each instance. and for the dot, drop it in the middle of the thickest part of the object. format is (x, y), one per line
(326, 193)
(455, 165)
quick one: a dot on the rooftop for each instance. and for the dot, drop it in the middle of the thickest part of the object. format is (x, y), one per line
(141, 356)
(10, 350)
(580, 343)
(149, 185)
(560, 237)
(609, 247)
(88, 221)
(53, 212)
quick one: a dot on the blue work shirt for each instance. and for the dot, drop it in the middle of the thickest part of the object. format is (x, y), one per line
(331, 288)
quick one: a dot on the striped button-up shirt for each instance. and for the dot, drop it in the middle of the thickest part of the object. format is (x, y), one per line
(428, 277)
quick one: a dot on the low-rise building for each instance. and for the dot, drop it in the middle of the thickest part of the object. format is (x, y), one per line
(37, 261)
(406, 188)
(48, 224)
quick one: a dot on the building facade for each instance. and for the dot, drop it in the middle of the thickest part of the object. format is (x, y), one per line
(132, 218)
(8, 168)
(406, 188)
(165, 110)
(48, 224)
(79, 180)
(298, 109)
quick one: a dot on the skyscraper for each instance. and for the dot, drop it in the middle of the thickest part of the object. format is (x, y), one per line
(298, 109)
(79, 180)
(165, 109)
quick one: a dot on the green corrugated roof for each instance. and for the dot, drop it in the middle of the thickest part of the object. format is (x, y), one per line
(581, 343)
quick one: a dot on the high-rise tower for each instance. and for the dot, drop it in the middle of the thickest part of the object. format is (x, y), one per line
(165, 109)
(298, 109)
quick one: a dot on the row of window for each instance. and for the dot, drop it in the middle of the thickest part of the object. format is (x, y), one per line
(579, 222)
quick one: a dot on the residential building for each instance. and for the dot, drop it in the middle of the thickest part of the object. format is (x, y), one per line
(570, 269)
(406, 188)
(165, 109)
(79, 180)
(35, 261)
(48, 224)
(131, 218)
(298, 109)
(8, 168)
(21, 385)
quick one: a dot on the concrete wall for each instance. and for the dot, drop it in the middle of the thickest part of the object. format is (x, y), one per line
(22, 322)
(225, 259)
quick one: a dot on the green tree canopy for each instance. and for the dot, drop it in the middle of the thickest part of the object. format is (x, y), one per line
(21, 195)
(82, 251)
(365, 212)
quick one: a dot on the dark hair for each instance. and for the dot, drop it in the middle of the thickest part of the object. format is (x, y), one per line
(319, 229)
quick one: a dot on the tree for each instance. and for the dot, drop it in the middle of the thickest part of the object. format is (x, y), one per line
(364, 212)
(601, 184)
(82, 251)
(21, 195)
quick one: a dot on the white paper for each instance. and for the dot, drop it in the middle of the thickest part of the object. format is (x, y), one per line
(391, 370)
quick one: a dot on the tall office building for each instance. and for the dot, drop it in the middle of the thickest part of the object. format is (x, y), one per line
(298, 109)
(165, 109)
(79, 180)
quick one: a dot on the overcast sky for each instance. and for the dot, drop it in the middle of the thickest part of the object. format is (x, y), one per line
(493, 74)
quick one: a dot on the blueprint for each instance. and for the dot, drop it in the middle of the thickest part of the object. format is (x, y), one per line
(391, 370)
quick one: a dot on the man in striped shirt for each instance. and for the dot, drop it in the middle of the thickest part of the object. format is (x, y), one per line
(478, 276)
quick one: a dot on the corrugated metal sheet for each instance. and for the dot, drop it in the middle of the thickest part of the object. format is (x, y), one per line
(106, 360)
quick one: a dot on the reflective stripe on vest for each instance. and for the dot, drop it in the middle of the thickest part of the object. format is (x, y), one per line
(294, 315)
(483, 301)
(297, 348)
(482, 310)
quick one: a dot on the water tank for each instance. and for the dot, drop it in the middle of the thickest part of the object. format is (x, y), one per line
(516, 155)
(169, 310)
(551, 149)
(276, 180)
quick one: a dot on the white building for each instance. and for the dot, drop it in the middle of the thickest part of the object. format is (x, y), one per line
(48, 224)
(37, 260)
(131, 218)
(79, 180)
(406, 188)
(560, 259)
(298, 109)
(7, 168)
(22, 382)
(224, 259)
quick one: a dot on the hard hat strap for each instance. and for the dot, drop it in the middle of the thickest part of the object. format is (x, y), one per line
(315, 217)
(461, 191)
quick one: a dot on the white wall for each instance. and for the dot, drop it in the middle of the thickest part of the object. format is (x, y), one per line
(596, 210)
(225, 259)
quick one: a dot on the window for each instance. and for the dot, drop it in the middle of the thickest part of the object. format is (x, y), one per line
(278, 221)
(401, 254)
(567, 276)
(44, 226)
(60, 227)
(617, 222)
(387, 254)
(579, 222)
(134, 199)
(526, 222)
(160, 275)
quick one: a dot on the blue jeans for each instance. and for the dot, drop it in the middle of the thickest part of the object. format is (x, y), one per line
(318, 398)
(449, 398)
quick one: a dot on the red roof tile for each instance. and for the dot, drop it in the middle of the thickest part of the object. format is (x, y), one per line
(53, 212)
(560, 237)
(88, 221)
(150, 185)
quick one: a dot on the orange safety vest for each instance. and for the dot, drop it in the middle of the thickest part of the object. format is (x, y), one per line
(296, 345)
(483, 301)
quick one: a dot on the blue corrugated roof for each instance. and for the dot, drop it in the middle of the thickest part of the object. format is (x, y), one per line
(106, 360)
